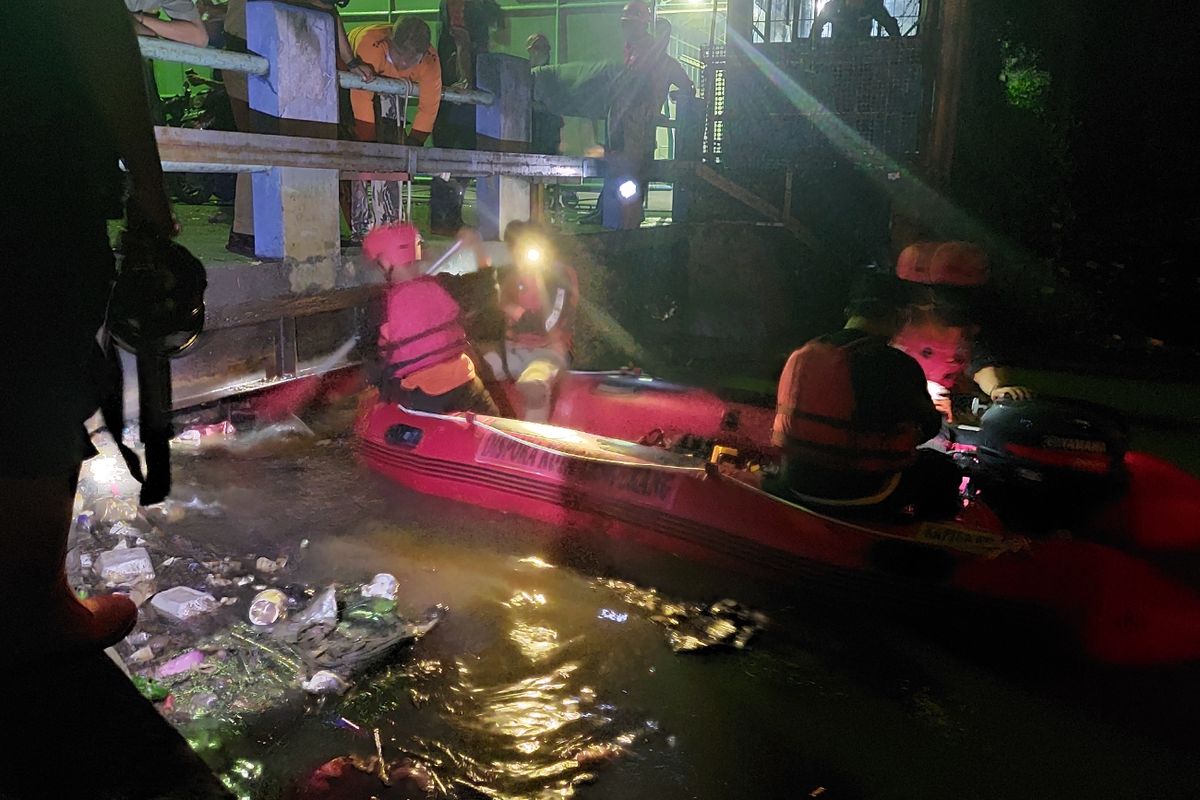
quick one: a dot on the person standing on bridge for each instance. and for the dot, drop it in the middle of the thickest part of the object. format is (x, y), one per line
(638, 95)
(241, 235)
(464, 32)
(400, 51)
(546, 133)
(851, 19)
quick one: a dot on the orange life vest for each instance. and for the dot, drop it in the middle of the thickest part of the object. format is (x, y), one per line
(816, 420)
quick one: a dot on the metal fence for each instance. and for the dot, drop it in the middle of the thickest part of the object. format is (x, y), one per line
(789, 20)
(873, 87)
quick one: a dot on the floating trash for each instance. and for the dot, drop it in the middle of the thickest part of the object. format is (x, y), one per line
(691, 627)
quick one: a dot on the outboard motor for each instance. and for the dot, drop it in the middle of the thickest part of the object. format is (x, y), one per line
(1048, 464)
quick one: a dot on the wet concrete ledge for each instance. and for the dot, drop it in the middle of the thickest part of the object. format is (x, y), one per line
(78, 728)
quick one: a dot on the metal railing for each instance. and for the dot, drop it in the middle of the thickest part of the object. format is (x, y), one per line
(252, 64)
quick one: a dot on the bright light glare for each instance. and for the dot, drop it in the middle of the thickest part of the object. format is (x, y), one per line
(554, 433)
(103, 470)
(533, 255)
(628, 189)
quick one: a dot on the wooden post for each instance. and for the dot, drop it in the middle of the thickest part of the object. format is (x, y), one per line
(537, 203)
(954, 34)
(739, 19)
(295, 210)
(689, 147)
(503, 126)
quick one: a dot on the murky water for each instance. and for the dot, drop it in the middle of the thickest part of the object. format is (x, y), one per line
(544, 681)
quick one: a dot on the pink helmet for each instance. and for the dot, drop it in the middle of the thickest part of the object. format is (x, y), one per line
(943, 264)
(398, 243)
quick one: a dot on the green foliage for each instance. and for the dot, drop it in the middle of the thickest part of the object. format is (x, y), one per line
(1026, 86)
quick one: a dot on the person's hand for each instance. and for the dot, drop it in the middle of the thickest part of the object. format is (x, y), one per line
(468, 236)
(513, 311)
(149, 210)
(364, 71)
(1012, 393)
(945, 407)
(139, 27)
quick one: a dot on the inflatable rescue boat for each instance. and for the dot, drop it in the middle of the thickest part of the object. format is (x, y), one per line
(1118, 581)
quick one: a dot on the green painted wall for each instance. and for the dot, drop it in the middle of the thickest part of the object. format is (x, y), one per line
(592, 34)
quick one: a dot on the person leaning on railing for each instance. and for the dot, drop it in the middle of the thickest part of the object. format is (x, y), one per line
(241, 236)
(401, 51)
(183, 23)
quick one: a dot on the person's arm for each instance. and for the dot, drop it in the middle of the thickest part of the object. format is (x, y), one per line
(346, 53)
(677, 76)
(995, 382)
(823, 18)
(887, 21)
(429, 86)
(362, 102)
(916, 404)
(563, 303)
(990, 374)
(188, 31)
(183, 23)
(139, 28)
(106, 58)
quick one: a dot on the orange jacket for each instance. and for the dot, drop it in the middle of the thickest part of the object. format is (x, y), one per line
(370, 43)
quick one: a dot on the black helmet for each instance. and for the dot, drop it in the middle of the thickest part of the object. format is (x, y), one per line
(157, 305)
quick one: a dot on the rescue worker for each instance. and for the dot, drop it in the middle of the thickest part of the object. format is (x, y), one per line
(539, 297)
(546, 130)
(422, 344)
(75, 122)
(464, 32)
(400, 51)
(852, 411)
(851, 19)
(638, 95)
(941, 333)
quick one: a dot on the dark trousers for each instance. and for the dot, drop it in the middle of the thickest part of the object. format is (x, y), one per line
(454, 128)
(472, 396)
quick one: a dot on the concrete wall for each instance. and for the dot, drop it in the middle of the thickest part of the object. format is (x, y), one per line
(697, 297)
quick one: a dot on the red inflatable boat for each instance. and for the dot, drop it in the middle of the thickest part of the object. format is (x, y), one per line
(1112, 591)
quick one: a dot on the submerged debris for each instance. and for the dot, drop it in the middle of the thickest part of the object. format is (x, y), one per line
(691, 626)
